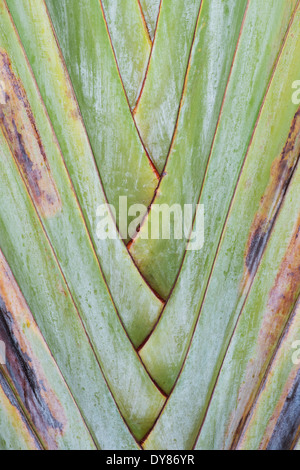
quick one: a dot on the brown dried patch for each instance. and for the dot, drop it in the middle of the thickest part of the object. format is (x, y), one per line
(18, 125)
(282, 299)
(23, 369)
(281, 172)
(284, 293)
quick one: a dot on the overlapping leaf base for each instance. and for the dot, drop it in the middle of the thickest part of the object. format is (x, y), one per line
(144, 343)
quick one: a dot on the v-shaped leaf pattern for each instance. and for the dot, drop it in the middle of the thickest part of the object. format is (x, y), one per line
(157, 108)
(158, 259)
(131, 43)
(121, 159)
(150, 10)
(137, 342)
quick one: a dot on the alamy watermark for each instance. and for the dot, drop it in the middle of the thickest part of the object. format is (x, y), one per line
(166, 222)
(2, 93)
(296, 94)
(296, 354)
(2, 353)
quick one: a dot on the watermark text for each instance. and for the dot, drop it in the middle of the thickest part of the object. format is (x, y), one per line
(296, 354)
(2, 93)
(296, 94)
(2, 353)
(164, 222)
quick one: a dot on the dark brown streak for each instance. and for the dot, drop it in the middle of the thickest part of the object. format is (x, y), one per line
(28, 386)
(13, 401)
(19, 128)
(287, 427)
(281, 174)
(238, 442)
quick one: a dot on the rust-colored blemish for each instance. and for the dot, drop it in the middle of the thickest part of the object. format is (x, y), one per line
(281, 172)
(18, 126)
(22, 367)
(282, 299)
(129, 244)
